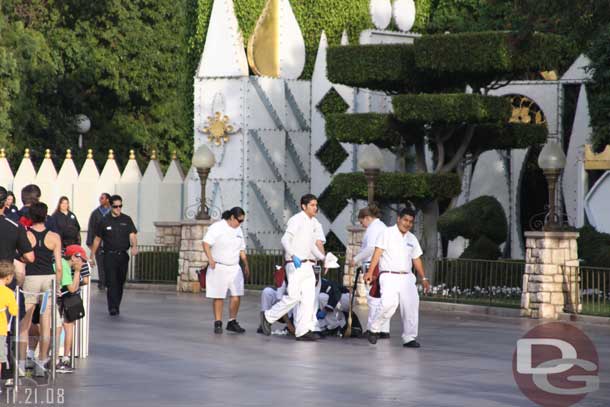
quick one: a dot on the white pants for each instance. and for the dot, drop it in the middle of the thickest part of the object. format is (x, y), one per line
(268, 298)
(398, 289)
(334, 319)
(374, 309)
(301, 290)
(222, 279)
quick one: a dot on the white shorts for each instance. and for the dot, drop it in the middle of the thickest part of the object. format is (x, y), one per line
(222, 279)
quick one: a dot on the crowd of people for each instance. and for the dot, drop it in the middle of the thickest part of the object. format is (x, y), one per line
(41, 250)
(310, 305)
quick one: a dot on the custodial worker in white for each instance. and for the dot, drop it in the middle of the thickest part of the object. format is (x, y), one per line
(397, 252)
(225, 246)
(302, 233)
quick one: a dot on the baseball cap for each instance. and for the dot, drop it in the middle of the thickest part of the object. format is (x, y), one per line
(75, 250)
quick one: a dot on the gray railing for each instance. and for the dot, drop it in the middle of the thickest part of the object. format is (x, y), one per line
(482, 282)
(154, 264)
(593, 290)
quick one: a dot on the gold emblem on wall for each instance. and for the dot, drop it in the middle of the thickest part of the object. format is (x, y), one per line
(525, 110)
(264, 43)
(218, 128)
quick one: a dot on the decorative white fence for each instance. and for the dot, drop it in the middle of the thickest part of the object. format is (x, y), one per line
(147, 198)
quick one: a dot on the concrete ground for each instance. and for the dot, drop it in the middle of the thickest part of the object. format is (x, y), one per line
(161, 351)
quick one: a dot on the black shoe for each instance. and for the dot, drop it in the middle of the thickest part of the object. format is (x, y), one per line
(318, 335)
(101, 287)
(217, 327)
(411, 344)
(384, 335)
(233, 326)
(265, 325)
(113, 312)
(356, 332)
(372, 337)
(259, 330)
(308, 337)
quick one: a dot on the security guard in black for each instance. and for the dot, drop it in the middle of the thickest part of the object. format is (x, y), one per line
(118, 233)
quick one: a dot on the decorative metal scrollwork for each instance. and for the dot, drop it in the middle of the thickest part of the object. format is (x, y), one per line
(538, 220)
(191, 211)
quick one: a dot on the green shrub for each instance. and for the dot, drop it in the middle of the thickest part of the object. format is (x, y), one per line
(391, 187)
(364, 128)
(481, 217)
(507, 136)
(451, 108)
(482, 249)
(594, 247)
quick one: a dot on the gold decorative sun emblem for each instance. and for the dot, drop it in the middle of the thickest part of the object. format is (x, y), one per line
(525, 110)
(218, 128)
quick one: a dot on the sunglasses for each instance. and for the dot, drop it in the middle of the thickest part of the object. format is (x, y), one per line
(117, 206)
(241, 220)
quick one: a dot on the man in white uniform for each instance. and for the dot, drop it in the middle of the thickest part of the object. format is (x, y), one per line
(369, 219)
(397, 251)
(224, 245)
(298, 242)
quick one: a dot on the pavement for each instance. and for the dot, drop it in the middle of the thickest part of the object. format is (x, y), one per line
(161, 351)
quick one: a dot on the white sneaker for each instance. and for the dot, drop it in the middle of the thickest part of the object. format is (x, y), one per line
(29, 363)
(39, 369)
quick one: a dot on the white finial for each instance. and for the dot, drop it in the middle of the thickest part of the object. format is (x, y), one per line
(381, 13)
(404, 14)
(223, 52)
(344, 38)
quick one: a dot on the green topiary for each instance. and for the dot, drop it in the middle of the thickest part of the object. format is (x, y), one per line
(364, 128)
(482, 249)
(451, 108)
(390, 187)
(594, 247)
(480, 217)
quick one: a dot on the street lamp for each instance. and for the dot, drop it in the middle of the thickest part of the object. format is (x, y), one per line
(83, 125)
(203, 161)
(552, 160)
(371, 161)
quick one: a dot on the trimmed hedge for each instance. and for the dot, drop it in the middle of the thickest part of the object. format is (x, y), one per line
(446, 62)
(483, 216)
(364, 128)
(594, 247)
(497, 53)
(391, 187)
(451, 108)
(599, 91)
(507, 136)
(332, 102)
(482, 249)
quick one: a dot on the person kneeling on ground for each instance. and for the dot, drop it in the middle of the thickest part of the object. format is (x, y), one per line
(272, 295)
(334, 310)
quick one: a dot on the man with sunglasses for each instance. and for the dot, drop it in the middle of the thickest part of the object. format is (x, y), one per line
(117, 233)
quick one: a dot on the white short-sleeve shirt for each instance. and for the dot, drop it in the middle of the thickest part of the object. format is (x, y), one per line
(226, 242)
(399, 250)
(300, 236)
(372, 233)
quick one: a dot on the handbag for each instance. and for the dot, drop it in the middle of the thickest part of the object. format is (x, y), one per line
(73, 307)
(201, 274)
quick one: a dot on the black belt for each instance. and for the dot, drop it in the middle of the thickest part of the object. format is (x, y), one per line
(115, 251)
(394, 272)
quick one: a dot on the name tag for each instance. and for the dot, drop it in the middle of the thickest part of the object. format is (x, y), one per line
(108, 227)
(72, 216)
(410, 245)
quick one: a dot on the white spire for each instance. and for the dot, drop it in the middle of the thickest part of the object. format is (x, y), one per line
(404, 14)
(223, 54)
(381, 13)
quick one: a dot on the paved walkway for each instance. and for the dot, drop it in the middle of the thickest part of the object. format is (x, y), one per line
(161, 352)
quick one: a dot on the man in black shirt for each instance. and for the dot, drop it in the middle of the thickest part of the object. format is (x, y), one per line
(94, 220)
(14, 244)
(117, 233)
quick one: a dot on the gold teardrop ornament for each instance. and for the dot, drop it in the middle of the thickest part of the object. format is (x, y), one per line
(264, 43)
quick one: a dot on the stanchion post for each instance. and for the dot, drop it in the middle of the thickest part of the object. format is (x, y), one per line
(16, 336)
(73, 350)
(53, 328)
